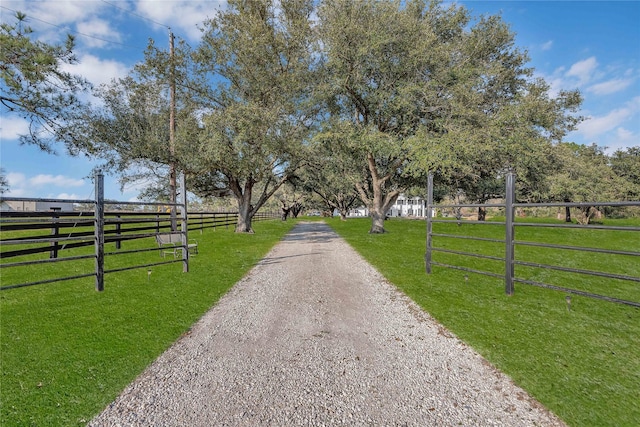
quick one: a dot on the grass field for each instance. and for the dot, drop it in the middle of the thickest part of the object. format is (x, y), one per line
(67, 351)
(583, 363)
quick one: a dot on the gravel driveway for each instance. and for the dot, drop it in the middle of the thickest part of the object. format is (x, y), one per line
(314, 336)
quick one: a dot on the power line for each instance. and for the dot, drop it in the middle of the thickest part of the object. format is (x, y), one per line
(66, 28)
(135, 14)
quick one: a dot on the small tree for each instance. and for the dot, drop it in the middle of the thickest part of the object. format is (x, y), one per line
(333, 172)
(291, 199)
(585, 177)
(131, 132)
(626, 164)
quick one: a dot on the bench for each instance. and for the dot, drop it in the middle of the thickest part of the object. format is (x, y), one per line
(170, 243)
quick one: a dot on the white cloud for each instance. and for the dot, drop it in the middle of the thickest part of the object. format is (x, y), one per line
(620, 139)
(43, 16)
(595, 126)
(65, 11)
(17, 182)
(184, 17)
(15, 192)
(625, 135)
(56, 180)
(20, 185)
(96, 70)
(12, 127)
(16, 179)
(583, 70)
(610, 86)
(99, 30)
(547, 46)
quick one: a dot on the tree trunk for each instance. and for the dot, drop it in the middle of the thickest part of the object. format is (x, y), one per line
(296, 209)
(482, 213)
(244, 220)
(567, 214)
(381, 202)
(343, 214)
(585, 214)
(377, 222)
(245, 211)
(285, 213)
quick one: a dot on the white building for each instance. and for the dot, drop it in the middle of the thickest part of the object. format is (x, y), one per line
(403, 207)
(359, 211)
(408, 207)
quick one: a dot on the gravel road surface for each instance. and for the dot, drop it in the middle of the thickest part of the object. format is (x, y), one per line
(315, 336)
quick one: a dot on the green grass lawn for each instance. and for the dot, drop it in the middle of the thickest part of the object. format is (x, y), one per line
(67, 351)
(583, 364)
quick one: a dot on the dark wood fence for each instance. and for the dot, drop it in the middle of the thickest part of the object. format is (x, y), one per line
(57, 232)
(510, 242)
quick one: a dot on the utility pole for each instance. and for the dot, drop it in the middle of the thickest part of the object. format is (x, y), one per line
(172, 136)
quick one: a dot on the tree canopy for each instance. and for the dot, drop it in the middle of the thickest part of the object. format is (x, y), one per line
(261, 110)
(421, 86)
(344, 99)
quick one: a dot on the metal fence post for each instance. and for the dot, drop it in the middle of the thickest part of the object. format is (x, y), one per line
(99, 231)
(427, 255)
(55, 232)
(118, 232)
(509, 233)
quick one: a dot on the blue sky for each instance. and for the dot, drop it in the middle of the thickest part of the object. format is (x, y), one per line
(593, 46)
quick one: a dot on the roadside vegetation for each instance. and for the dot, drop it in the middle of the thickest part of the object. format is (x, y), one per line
(582, 363)
(67, 351)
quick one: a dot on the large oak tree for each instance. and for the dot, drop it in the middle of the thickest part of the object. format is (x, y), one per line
(260, 53)
(420, 86)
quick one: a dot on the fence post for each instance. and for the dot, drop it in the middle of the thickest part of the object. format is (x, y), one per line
(184, 223)
(55, 232)
(509, 233)
(118, 230)
(427, 255)
(99, 231)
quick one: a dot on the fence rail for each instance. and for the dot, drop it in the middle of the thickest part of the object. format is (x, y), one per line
(56, 232)
(510, 243)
